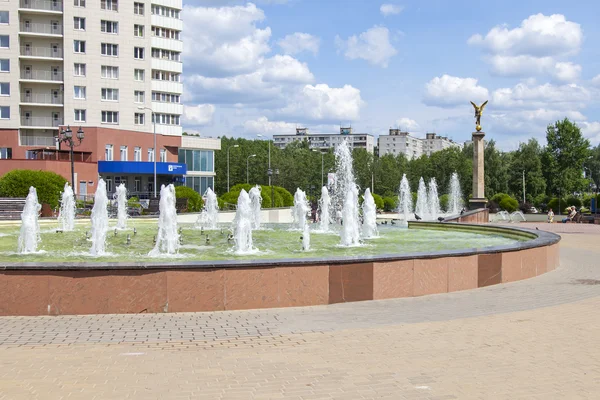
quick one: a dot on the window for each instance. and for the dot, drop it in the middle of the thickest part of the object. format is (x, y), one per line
(150, 154)
(139, 118)
(109, 72)
(137, 185)
(109, 26)
(138, 8)
(165, 11)
(3, 17)
(138, 53)
(109, 49)
(137, 154)
(79, 46)
(197, 160)
(138, 30)
(110, 94)
(78, 69)
(166, 97)
(108, 152)
(4, 65)
(79, 3)
(165, 76)
(110, 117)
(139, 96)
(123, 153)
(112, 5)
(138, 74)
(165, 33)
(5, 153)
(166, 119)
(166, 54)
(79, 115)
(79, 92)
(4, 89)
(79, 23)
(4, 112)
(4, 42)
(163, 155)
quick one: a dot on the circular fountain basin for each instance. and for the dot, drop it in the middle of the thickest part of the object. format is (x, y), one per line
(424, 259)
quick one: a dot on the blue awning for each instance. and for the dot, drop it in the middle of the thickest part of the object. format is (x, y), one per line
(141, 168)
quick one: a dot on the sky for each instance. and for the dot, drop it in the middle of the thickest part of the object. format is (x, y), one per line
(273, 65)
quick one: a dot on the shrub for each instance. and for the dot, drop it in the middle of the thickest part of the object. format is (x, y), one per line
(509, 204)
(48, 184)
(282, 197)
(444, 200)
(378, 201)
(194, 199)
(573, 201)
(553, 204)
(390, 203)
(498, 197)
(524, 207)
(493, 206)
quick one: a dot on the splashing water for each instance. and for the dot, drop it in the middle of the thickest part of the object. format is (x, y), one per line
(167, 239)
(209, 217)
(306, 238)
(405, 199)
(29, 237)
(344, 177)
(455, 203)
(517, 216)
(324, 205)
(433, 200)
(350, 232)
(369, 209)
(99, 220)
(300, 210)
(255, 204)
(66, 215)
(242, 225)
(422, 208)
(121, 197)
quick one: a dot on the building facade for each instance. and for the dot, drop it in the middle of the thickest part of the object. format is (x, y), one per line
(398, 142)
(324, 141)
(111, 67)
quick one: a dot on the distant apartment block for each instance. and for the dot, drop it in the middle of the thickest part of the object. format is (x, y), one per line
(398, 142)
(323, 141)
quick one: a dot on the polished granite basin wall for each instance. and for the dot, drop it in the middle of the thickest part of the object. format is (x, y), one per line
(35, 289)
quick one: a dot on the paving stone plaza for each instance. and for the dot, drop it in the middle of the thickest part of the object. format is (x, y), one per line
(532, 339)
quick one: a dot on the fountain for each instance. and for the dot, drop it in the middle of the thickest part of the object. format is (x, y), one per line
(350, 231)
(405, 200)
(209, 217)
(501, 216)
(455, 203)
(306, 238)
(369, 209)
(433, 200)
(66, 215)
(324, 205)
(29, 237)
(168, 238)
(517, 216)
(344, 178)
(242, 224)
(99, 220)
(422, 208)
(255, 204)
(301, 208)
(121, 198)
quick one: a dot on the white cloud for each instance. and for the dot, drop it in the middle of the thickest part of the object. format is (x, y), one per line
(299, 42)
(286, 69)
(521, 96)
(596, 80)
(567, 71)
(591, 130)
(450, 91)
(323, 103)
(407, 124)
(263, 126)
(202, 114)
(390, 9)
(373, 46)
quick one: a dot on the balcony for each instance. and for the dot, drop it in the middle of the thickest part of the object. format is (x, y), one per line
(35, 29)
(41, 75)
(41, 52)
(42, 98)
(42, 5)
(27, 140)
(42, 122)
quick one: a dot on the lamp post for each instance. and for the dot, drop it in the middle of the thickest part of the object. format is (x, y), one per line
(235, 145)
(247, 167)
(269, 172)
(154, 151)
(66, 136)
(322, 170)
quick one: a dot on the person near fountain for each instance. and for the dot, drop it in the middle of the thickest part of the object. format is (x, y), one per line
(571, 216)
(550, 216)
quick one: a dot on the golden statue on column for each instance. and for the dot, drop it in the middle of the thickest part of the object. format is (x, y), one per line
(478, 112)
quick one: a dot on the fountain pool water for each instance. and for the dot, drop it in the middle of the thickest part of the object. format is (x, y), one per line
(324, 207)
(242, 225)
(66, 215)
(455, 203)
(300, 209)
(209, 217)
(29, 237)
(167, 239)
(121, 198)
(369, 209)
(306, 238)
(99, 220)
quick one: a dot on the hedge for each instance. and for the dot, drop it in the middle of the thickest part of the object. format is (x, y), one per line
(390, 203)
(283, 198)
(194, 199)
(49, 185)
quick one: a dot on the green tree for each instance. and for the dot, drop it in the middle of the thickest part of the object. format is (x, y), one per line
(49, 185)
(496, 166)
(527, 158)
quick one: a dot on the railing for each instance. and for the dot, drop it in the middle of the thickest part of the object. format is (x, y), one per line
(41, 52)
(37, 141)
(42, 75)
(48, 5)
(41, 121)
(51, 29)
(41, 98)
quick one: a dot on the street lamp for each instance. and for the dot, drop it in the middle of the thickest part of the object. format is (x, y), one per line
(322, 170)
(269, 172)
(66, 136)
(235, 145)
(154, 152)
(247, 170)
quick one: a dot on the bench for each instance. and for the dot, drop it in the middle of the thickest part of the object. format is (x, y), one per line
(11, 208)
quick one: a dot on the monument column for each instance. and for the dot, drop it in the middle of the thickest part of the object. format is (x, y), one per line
(478, 200)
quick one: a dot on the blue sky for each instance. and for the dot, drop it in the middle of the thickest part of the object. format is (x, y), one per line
(269, 66)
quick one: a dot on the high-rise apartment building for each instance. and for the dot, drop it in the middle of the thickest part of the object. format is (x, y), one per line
(324, 141)
(111, 67)
(398, 142)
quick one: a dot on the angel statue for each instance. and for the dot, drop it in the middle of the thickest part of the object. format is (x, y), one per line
(478, 112)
